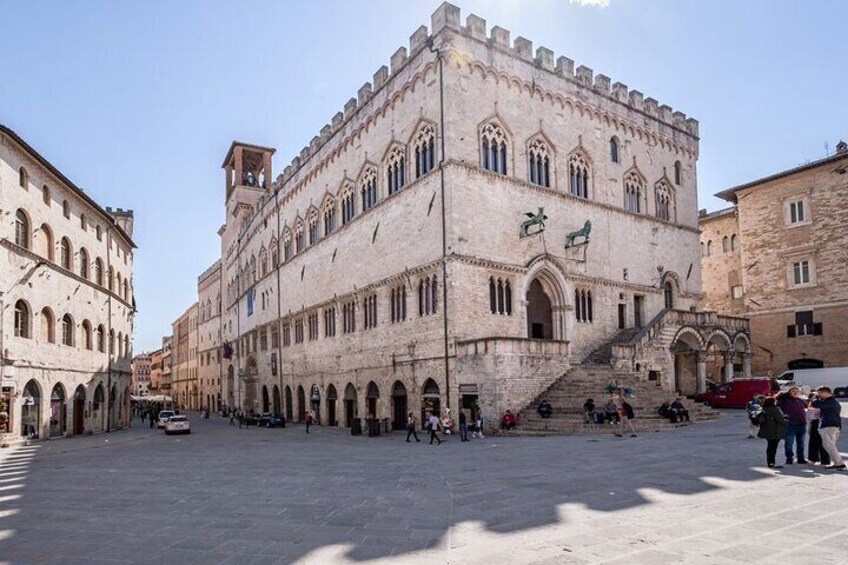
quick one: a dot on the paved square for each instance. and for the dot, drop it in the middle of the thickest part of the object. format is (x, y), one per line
(695, 495)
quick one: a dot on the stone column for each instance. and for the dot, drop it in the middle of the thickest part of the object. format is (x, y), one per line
(746, 365)
(728, 365)
(701, 362)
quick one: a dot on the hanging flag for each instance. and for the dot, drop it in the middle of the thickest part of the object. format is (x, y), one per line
(227, 351)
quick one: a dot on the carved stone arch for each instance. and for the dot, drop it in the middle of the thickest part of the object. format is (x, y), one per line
(420, 125)
(673, 278)
(346, 184)
(551, 275)
(560, 100)
(393, 144)
(691, 337)
(328, 201)
(742, 339)
(596, 116)
(497, 121)
(569, 104)
(720, 334)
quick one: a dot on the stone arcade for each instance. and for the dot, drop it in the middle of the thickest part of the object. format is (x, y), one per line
(384, 271)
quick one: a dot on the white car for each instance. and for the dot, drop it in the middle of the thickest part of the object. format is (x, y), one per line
(178, 425)
(164, 416)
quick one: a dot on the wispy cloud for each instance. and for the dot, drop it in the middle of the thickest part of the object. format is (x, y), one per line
(595, 3)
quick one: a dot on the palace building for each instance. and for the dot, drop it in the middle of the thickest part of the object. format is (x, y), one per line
(387, 269)
(66, 301)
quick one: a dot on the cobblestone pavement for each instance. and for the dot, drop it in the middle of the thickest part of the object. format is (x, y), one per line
(222, 495)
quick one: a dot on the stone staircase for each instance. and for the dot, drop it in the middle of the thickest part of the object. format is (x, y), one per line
(588, 380)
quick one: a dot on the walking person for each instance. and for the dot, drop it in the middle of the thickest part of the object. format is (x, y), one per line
(625, 415)
(410, 428)
(772, 429)
(308, 420)
(434, 425)
(830, 425)
(232, 418)
(463, 426)
(815, 448)
(796, 424)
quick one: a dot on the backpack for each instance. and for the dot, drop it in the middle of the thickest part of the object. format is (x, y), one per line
(760, 418)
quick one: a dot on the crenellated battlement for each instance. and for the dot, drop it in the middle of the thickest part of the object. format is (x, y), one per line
(216, 266)
(447, 17)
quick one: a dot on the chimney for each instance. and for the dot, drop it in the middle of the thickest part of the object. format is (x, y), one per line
(841, 147)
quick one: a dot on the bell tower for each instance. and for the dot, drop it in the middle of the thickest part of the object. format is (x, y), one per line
(248, 175)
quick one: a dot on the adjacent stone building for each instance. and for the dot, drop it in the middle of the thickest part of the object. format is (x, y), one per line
(209, 368)
(387, 269)
(66, 301)
(779, 257)
(141, 369)
(184, 386)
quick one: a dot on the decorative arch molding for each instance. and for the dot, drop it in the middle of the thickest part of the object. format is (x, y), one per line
(673, 278)
(687, 333)
(742, 337)
(720, 334)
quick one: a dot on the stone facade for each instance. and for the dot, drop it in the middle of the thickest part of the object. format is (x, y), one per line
(184, 384)
(66, 301)
(791, 264)
(209, 376)
(156, 366)
(385, 272)
(141, 368)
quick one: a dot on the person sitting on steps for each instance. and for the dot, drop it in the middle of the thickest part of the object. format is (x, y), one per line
(545, 409)
(508, 421)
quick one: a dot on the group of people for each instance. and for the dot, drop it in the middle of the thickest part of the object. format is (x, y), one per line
(433, 424)
(675, 411)
(788, 416)
(617, 412)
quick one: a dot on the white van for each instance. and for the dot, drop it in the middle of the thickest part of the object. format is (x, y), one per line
(810, 379)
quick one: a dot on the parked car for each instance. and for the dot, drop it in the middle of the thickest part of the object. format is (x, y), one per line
(810, 379)
(178, 425)
(272, 420)
(736, 393)
(164, 416)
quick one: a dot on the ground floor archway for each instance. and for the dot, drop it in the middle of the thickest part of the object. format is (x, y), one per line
(431, 400)
(399, 406)
(79, 410)
(276, 398)
(58, 411)
(266, 401)
(372, 399)
(350, 405)
(289, 410)
(332, 397)
(301, 404)
(31, 409)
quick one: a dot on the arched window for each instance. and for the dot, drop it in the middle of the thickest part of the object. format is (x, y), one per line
(313, 228)
(48, 326)
(287, 245)
(83, 257)
(329, 217)
(22, 231)
(678, 173)
(396, 170)
(493, 154)
(252, 267)
(67, 330)
(668, 293)
(425, 150)
(110, 279)
(725, 244)
(539, 164)
(613, 148)
(83, 222)
(633, 193)
(45, 194)
(99, 233)
(578, 175)
(111, 341)
(126, 290)
(734, 242)
(275, 253)
(66, 254)
(22, 320)
(493, 296)
(703, 250)
(709, 248)
(665, 201)
(368, 189)
(47, 250)
(263, 262)
(98, 271)
(428, 296)
(101, 339)
(66, 209)
(86, 335)
(23, 178)
(348, 205)
(298, 238)
(500, 296)
(583, 306)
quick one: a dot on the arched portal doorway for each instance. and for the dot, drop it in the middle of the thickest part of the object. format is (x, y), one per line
(276, 398)
(79, 410)
(98, 408)
(372, 399)
(266, 400)
(58, 411)
(399, 406)
(289, 410)
(301, 404)
(231, 384)
(540, 319)
(332, 397)
(31, 409)
(350, 405)
(430, 400)
(668, 294)
(687, 350)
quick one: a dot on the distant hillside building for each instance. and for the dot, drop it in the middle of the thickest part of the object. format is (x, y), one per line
(780, 258)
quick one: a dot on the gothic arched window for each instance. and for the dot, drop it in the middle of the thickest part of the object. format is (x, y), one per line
(425, 150)
(578, 175)
(329, 217)
(664, 195)
(539, 163)
(22, 231)
(368, 189)
(348, 205)
(633, 193)
(395, 171)
(493, 155)
(613, 149)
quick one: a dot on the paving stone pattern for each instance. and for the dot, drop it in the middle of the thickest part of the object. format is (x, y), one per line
(700, 494)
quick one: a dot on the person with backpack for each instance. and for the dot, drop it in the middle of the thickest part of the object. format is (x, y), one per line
(410, 428)
(754, 407)
(772, 424)
(625, 415)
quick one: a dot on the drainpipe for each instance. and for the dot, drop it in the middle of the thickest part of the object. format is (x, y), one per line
(279, 304)
(112, 346)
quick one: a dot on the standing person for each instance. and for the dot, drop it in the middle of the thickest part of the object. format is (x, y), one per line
(410, 428)
(796, 423)
(143, 415)
(772, 429)
(625, 415)
(830, 425)
(463, 426)
(435, 424)
(151, 418)
(754, 407)
(240, 418)
(308, 420)
(478, 421)
(815, 449)
(232, 418)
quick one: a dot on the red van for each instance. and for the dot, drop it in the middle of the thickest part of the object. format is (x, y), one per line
(736, 393)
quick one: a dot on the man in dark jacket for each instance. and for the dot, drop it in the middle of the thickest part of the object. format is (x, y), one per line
(830, 425)
(796, 423)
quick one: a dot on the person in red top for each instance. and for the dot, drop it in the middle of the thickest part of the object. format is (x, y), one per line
(508, 421)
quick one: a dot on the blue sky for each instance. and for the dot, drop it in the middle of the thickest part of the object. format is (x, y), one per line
(137, 102)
